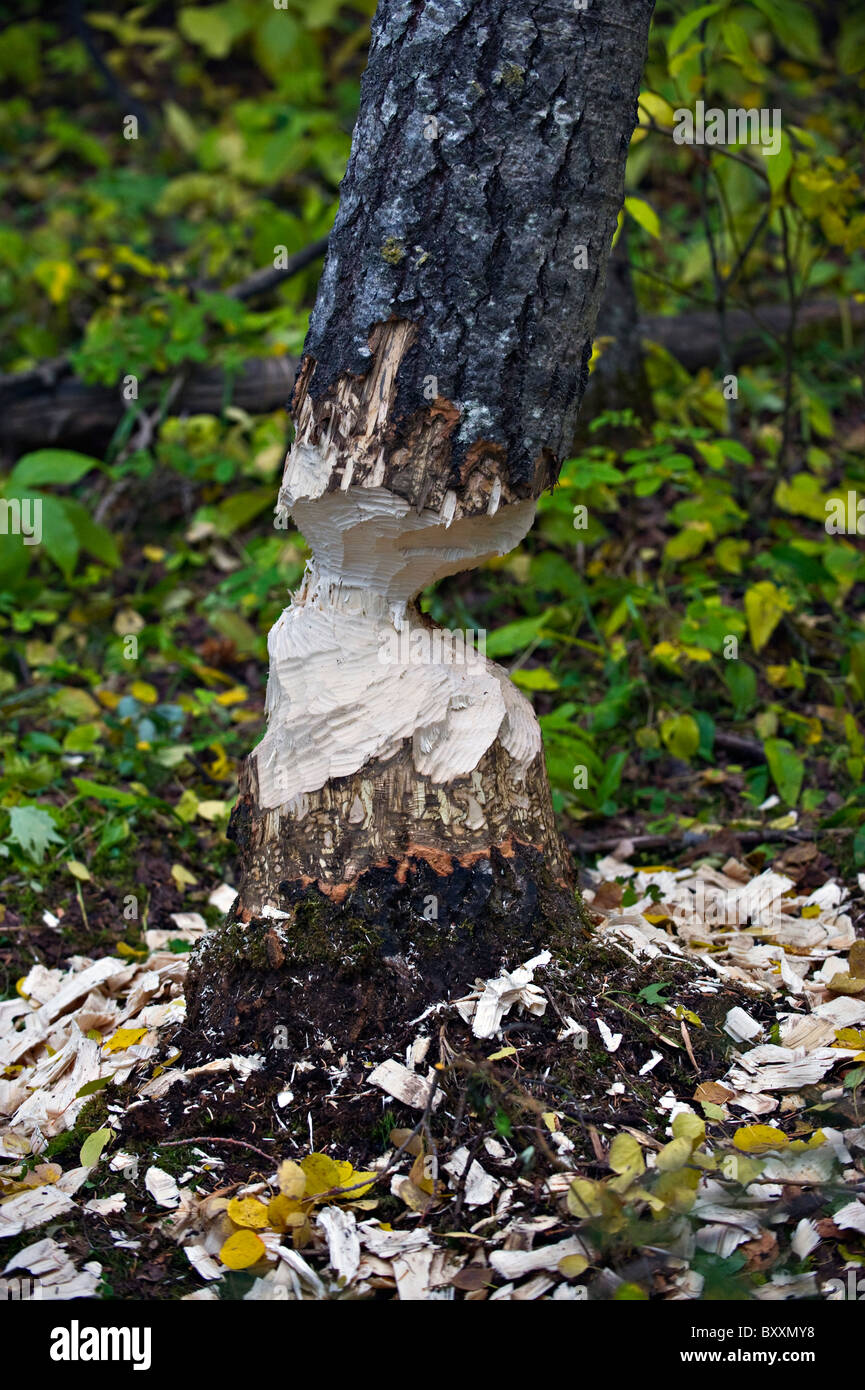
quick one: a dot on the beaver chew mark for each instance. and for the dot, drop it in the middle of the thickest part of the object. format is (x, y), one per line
(353, 672)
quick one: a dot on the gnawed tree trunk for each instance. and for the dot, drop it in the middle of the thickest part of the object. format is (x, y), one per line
(395, 827)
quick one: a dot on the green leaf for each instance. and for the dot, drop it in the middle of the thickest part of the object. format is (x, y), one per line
(786, 767)
(515, 637)
(802, 495)
(59, 537)
(654, 994)
(689, 22)
(237, 511)
(765, 605)
(234, 626)
(689, 543)
(681, 735)
(33, 829)
(46, 466)
(778, 165)
(539, 678)
(613, 770)
(181, 127)
(91, 1149)
(104, 793)
(740, 48)
(795, 26)
(214, 29)
(644, 214)
(92, 536)
(91, 1087)
(741, 681)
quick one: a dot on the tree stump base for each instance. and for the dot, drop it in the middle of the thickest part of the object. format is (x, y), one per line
(403, 938)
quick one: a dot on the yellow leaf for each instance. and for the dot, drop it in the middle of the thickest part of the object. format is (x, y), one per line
(212, 810)
(572, 1266)
(367, 1179)
(291, 1178)
(123, 1038)
(235, 696)
(414, 1197)
(182, 877)
(586, 1198)
(109, 698)
(248, 1212)
(644, 214)
(406, 1139)
(47, 1173)
(143, 691)
(505, 1052)
(322, 1173)
(124, 949)
(698, 653)
(677, 1187)
(856, 958)
(757, 1139)
(688, 1015)
(220, 766)
(674, 1155)
(842, 983)
(643, 1194)
(765, 605)
(284, 1212)
(242, 1249)
(653, 108)
(16, 1143)
(688, 1126)
(78, 870)
(155, 553)
(56, 277)
(626, 1159)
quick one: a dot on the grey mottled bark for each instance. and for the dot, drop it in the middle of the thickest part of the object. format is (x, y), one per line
(490, 147)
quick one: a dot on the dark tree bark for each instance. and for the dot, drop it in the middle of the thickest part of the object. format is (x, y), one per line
(395, 827)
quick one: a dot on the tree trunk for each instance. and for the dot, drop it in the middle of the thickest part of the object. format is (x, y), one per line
(395, 827)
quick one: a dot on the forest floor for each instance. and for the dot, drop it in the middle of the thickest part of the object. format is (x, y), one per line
(671, 1111)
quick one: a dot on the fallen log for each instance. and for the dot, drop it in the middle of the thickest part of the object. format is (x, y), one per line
(50, 405)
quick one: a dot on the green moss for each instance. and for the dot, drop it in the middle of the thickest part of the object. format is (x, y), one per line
(510, 75)
(93, 1116)
(393, 251)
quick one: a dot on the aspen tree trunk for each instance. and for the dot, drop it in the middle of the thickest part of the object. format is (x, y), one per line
(395, 829)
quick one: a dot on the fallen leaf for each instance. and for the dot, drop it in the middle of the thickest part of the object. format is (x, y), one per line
(242, 1249)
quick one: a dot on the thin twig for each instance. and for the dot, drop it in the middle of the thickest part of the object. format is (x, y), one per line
(213, 1139)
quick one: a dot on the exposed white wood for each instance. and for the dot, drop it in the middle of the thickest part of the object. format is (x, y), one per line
(353, 669)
